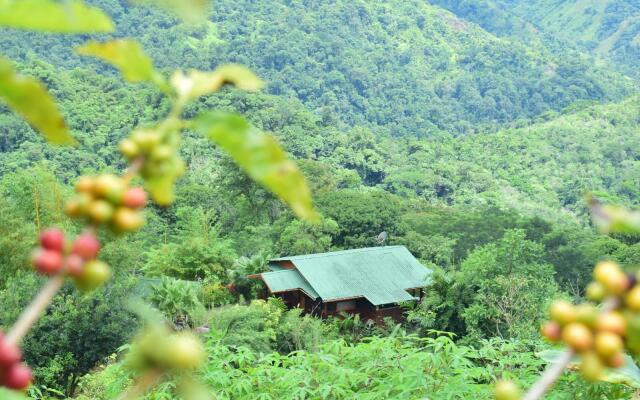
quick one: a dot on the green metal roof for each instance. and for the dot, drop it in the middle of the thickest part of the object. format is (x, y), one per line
(286, 280)
(380, 274)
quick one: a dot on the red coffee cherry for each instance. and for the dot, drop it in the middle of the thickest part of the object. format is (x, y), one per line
(135, 198)
(86, 246)
(47, 262)
(616, 361)
(75, 265)
(550, 330)
(18, 377)
(10, 354)
(52, 239)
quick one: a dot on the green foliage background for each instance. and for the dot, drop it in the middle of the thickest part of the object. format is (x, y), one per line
(473, 145)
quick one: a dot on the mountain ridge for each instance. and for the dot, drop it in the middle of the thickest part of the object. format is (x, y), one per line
(401, 68)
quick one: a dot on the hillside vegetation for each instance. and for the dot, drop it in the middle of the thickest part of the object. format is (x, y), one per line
(404, 68)
(609, 29)
(467, 136)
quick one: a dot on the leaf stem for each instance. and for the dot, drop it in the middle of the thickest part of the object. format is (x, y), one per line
(31, 314)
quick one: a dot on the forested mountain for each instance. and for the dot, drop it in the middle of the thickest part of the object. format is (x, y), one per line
(462, 129)
(404, 68)
(548, 163)
(609, 29)
(544, 168)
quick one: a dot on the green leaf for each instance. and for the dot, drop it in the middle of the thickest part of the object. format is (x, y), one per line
(238, 76)
(197, 83)
(161, 188)
(628, 374)
(261, 157)
(50, 16)
(29, 97)
(188, 10)
(6, 394)
(614, 219)
(125, 55)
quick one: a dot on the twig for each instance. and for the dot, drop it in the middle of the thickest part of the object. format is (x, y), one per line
(142, 385)
(549, 377)
(31, 314)
(134, 167)
(553, 371)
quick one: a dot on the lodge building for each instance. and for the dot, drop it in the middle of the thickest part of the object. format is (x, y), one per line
(369, 281)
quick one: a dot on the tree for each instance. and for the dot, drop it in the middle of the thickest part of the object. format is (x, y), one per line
(361, 215)
(299, 237)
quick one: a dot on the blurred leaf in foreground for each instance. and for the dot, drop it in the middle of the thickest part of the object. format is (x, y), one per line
(614, 219)
(261, 157)
(188, 10)
(125, 55)
(195, 83)
(46, 15)
(6, 394)
(29, 97)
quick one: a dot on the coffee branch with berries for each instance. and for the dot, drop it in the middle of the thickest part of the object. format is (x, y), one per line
(600, 333)
(111, 202)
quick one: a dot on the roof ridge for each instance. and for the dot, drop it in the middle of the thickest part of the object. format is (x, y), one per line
(338, 252)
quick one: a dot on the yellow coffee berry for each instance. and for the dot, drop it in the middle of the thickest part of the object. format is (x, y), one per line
(94, 274)
(562, 312)
(129, 149)
(183, 351)
(587, 314)
(591, 366)
(506, 390)
(84, 184)
(596, 291)
(608, 344)
(127, 220)
(632, 299)
(612, 322)
(100, 211)
(577, 336)
(611, 276)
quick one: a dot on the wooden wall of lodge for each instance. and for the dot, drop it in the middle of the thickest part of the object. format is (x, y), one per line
(298, 299)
